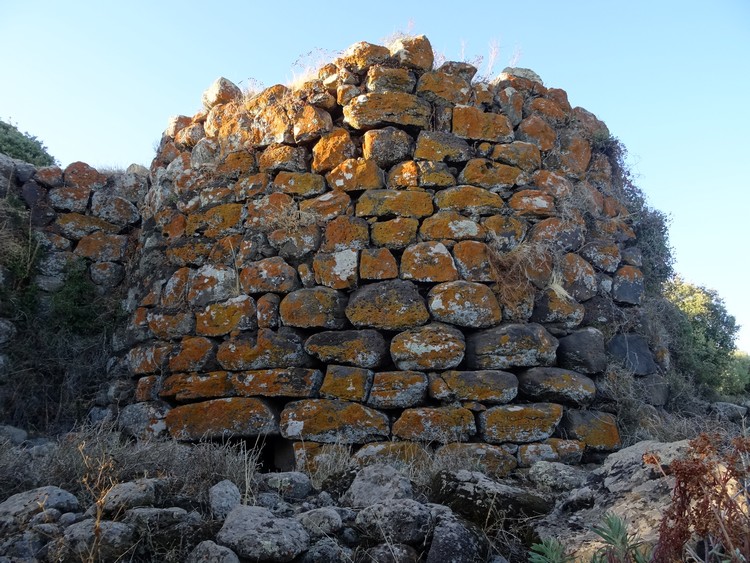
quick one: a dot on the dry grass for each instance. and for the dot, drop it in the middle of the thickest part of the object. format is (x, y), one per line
(20, 248)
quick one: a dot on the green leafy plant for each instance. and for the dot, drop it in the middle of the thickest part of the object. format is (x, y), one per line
(23, 146)
(620, 546)
(549, 551)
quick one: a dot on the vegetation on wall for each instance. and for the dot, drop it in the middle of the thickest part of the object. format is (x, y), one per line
(23, 146)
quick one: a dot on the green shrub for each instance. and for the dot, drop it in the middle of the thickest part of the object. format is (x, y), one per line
(702, 335)
(23, 146)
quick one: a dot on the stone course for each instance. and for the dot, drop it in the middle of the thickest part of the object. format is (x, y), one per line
(335, 263)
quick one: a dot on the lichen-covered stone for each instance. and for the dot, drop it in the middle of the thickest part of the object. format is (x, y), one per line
(519, 423)
(184, 387)
(102, 247)
(428, 262)
(314, 307)
(534, 203)
(442, 87)
(194, 353)
(450, 225)
(491, 175)
(394, 108)
(332, 149)
(473, 123)
(434, 346)
(388, 305)
(216, 221)
(555, 309)
(325, 207)
(470, 200)
(435, 424)
(525, 156)
(389, 203)
(628, 285)
(347, 383)
(387, 146)
(472, 261)
(578, 277)
(557, 385)
(465, 304)
(238, 417)
(377, 264)
(303, 184)
(597, 430)
(268, 274)
(441, 146)
(212, 283)
(602, 254)
(345, 233)
(413, 52)
(396, 233)
(337, 270)
(311, 123)
(398, 389)
(333, 421)
(356, 174)
(222, 318)
(280, 382)
(267, 349)
(535, 130)
(510, 345)
(485, 386)
(363, 348)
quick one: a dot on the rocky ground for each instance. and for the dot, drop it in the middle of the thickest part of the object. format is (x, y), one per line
(371, 513)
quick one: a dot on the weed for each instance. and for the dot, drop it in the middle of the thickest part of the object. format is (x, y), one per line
(710, 500)
(21, 248)
(549, 550)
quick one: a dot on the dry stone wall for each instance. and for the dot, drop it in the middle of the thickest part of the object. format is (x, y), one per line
(388, 257)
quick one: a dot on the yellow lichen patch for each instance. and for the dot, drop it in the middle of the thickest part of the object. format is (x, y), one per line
(470, 200)
(472, 261)
(222, 318)
(519, 423)
(280, 382)
(383, 203)
(188, 252)
(333, 421)
(356, 174)
(535, 130)
(193, 354)
(394, 108)
(398, 389)
(491, 175)
(396, 233)
(332, 149)
(302, 184)
(485, 386)
(448, 87)
(473, 123)
(377, 264)
(525, 156)
(435, 424)
(598, 430)
(345, 382)
(238, 417)
(183, 387)
(428, 262)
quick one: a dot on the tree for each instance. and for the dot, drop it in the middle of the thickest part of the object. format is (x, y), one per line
(703, 333)
(23, 146)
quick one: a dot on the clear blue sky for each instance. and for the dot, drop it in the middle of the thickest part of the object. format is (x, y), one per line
(97, 81)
